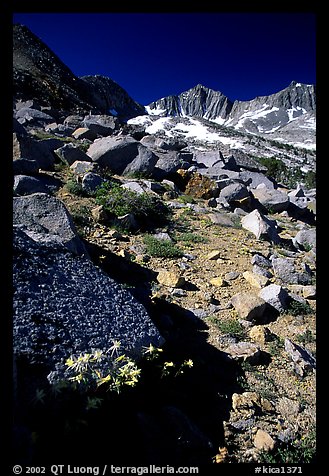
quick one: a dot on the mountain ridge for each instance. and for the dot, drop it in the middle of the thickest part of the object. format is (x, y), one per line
(261, 115)
(39, 74)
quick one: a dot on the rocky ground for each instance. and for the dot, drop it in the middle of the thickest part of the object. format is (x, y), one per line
(273, 407)
(234, 301)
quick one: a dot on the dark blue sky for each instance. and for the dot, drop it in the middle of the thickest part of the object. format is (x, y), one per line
(152, 55)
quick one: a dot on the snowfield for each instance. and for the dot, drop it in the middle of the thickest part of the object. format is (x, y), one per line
(194, 129)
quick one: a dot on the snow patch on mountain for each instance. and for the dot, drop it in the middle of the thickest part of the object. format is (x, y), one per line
(154, 112)
(278, 113)
(189, 129)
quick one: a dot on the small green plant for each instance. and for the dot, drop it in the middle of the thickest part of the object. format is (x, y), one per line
(186, 199)
(60, 166)
(120, 201)
(190, 237)
(161, 248)
(84, 146)
(81, 217)
(310, 179)
(276, 345)
(229, 326)
(278, 170)
(299, 308)
(301, 450)
(42, 135)
(74, 187)
(306, 338)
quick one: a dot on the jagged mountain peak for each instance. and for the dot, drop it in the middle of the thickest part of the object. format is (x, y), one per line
(263, 115)
(199, 87)
(199, 101)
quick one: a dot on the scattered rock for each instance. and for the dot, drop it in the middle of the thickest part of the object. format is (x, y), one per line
(250, 403)
(28, 115)
(81, 167)
(127, 222)
(288, 408)
(223, 219)
(219, 282)
(23, 166)
(302, 359)
(91, 181)
(231, 275)
(260, 334)
(215, 254)
(245, 352)
(100, 124)
(235, 193)
(284, 269)
(305, 239)
(257, 280)
(30, 149)
(260, 226)
(309, 292)
(99, 214)
(263, 441)
(262, 271)
(249, 306)
(168, 163)
(273, 200)
(275, 296)
(198, 185)
(84, 133)
(173, 279)
(261, 261)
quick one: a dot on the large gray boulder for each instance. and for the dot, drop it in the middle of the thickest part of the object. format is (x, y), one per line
(69, 153)
(82, 167)
(91, 181)
(305, 239)
(28, 115)
(208, 158)
(23, 166)
(168, 162)
(103, 125)
(144, 162)
(286, 271)
(254, 179)
(218, 172)
(234, 192)
(25, 185)
(30, 149)
(122, 155)
(84, 133)
(276, 296)
(246, 161)
(273, 200)
(65, 305)
(46, 220)
(170, 143)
